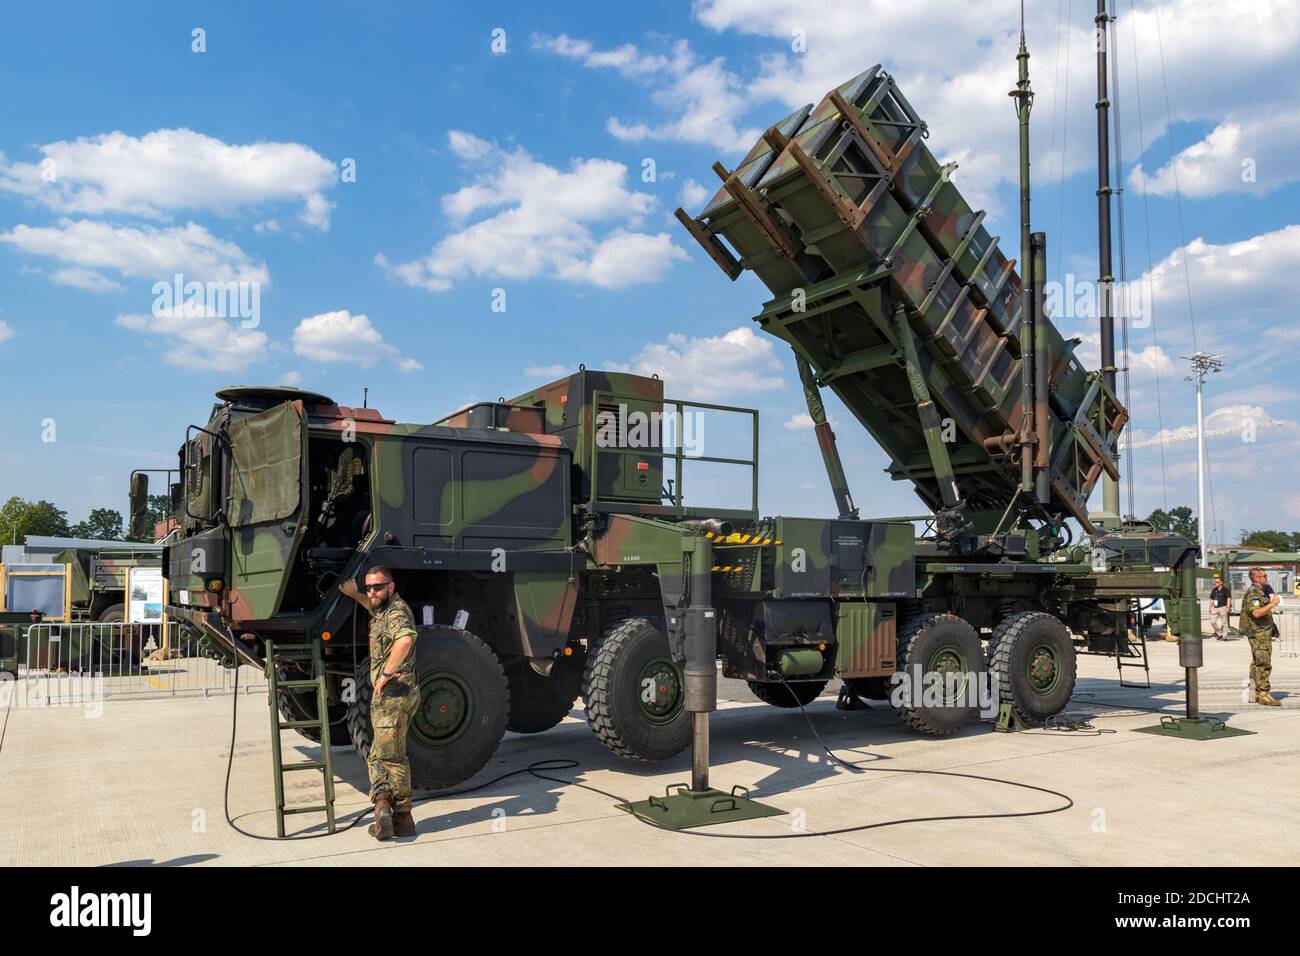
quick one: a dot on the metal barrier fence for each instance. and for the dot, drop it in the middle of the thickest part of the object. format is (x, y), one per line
(1288, 625)
(56, 661)
(1286, 617)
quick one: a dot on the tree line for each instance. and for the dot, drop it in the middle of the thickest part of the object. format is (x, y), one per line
(19, 518)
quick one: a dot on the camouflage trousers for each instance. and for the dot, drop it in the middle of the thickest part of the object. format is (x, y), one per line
(390, 716)
(1261, 660)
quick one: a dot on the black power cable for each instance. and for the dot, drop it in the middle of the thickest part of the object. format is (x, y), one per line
(535, 769)
(554, 764)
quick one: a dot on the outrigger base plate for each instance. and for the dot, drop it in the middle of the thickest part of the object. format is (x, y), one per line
(1193, 728)
(681, 808)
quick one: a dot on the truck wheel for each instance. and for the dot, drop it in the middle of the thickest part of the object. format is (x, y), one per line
(464, 702)
(1032, 656)
(793, 694)
(634, 692)
(112, 614)
(538, 703)
(303, 707)
(947, 652)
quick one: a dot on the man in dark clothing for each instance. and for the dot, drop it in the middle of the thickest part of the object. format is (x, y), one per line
(1220, 608)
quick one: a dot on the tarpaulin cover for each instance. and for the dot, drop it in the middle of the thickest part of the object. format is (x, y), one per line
(266, 470)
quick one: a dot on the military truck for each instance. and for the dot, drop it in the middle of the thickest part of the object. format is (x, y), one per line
(97, 571)
(551, 547)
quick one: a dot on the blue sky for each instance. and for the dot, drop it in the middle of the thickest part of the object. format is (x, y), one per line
(479, 169)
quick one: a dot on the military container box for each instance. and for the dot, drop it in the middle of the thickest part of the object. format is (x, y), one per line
(830, 558)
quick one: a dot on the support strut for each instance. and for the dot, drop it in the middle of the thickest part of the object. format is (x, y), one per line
(699, 805)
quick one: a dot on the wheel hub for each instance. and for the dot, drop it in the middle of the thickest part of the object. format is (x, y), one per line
(659, 690)
(445, 706)
(949, 664)
(1043, 669)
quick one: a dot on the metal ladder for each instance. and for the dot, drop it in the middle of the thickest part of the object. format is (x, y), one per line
(325, 764)
(1133, 649)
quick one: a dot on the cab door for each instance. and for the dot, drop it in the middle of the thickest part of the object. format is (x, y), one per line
(266, 507)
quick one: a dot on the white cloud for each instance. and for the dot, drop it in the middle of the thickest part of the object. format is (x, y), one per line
(172, 169)
(710, 367)
(958, 78)
(1143, 361)
(343, 337)
(540, 220)
(623, 258)
(87, 279)
(6, 331)
(1254, 276)
(1254, 156)
(291, 378)
(467, 145)
(146, 252)
(194, 337)
(693, 195)
(802, 421)
(704, 99)
(545, 371)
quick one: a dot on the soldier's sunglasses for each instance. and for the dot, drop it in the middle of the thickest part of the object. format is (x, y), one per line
(378, 587)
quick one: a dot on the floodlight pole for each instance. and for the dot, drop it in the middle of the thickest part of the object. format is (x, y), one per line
(1202, 364)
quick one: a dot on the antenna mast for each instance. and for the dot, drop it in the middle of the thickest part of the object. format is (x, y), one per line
(1023, 94)
(1105, 280)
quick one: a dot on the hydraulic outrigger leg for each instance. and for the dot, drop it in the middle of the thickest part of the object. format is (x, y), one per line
(1190, 657)
(682, 807)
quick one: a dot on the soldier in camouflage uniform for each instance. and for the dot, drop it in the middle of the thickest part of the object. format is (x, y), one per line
(396, 697)
(1256, 626)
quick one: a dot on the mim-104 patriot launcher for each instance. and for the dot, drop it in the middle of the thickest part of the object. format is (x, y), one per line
(554, 546)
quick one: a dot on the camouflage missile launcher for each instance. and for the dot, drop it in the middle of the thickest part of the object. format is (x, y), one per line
(891, 292)
(891, 289)
(551, 548)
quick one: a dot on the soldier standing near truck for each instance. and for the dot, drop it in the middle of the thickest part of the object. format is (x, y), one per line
(396, 697)
(1256, 626)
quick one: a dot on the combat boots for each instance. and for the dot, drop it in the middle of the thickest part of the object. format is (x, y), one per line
(382, 828)
(1267, 699)
(403, 822)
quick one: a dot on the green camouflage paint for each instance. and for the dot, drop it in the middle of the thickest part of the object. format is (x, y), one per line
(876, 222)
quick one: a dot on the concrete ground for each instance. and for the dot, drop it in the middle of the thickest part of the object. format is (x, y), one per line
(142, 785)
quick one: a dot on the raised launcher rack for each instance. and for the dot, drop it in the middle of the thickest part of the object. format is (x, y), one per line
(847, 203)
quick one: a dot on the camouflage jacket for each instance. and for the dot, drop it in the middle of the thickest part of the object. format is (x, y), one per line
(386, 625)
(1253, 599)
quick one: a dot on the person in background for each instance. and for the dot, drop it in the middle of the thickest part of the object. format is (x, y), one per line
(1220, 608)
(1256, 625)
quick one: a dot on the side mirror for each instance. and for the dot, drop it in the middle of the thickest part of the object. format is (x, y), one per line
(140, 507)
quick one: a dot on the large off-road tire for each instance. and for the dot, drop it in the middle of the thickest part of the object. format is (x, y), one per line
(303, 707)
(112, 614)
(793, 694)
(538, 703)
(1032, 657)
(939, 644)
(634, 692)
(464, 704)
